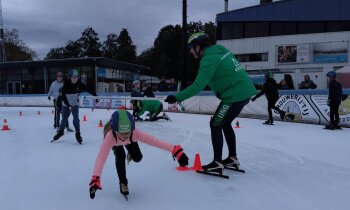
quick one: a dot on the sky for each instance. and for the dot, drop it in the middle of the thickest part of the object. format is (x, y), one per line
(289, 166)
(45, 24)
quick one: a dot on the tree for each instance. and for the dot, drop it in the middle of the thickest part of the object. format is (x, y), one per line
(89, 43)
(126, 50)
(110, 46)
(56, 53)
(73, 49)
(16, 49)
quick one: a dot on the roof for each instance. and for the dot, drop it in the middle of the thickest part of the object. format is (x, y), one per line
(291, 10)
(70, 62)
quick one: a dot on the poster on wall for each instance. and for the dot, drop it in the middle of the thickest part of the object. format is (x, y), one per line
(299, 106)
(344, 109)
(293, 54)
(330, 52)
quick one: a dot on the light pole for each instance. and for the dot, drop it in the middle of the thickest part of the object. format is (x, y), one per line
(184, 44)
(2, 40)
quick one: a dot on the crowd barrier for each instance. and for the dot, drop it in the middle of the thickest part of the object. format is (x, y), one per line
(308, 106)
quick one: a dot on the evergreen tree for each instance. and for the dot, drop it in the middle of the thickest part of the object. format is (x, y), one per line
(126, 50)
(89, 42)
(110, 46)
(16, 49)
(56, 53)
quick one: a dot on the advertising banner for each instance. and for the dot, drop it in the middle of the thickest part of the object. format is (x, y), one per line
(330, 52)
(293, 54)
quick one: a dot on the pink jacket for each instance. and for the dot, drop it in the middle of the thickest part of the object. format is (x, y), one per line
(109, 141)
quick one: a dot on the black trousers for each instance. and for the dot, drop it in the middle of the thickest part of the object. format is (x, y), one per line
(334, 113)
(221, 122)
(270, 106)
(119, 152)
(154, 115)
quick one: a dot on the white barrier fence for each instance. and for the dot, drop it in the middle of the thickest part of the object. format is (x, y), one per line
(306, 108)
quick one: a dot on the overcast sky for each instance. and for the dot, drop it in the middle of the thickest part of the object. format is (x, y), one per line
(45, 24)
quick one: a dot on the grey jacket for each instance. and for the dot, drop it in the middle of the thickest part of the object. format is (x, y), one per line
(55, 86)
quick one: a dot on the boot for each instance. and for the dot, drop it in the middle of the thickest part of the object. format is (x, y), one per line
(78, 137)
(231, 162)
(282, 115)
(123, 188)
(214, 167)
(329, 127)
(165, 116)
(69, 129)
(58, 135)
(268, 122)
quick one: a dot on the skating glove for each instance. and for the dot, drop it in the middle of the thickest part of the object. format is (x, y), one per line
(179, 154)
(49, 98)
(171, 99)
(95, 185)
(97, 100)
(253, 99)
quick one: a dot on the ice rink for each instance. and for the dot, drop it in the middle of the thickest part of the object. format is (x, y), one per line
(288, 166)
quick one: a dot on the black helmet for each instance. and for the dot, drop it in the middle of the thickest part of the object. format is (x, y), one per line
(197, 38)
(332, 74)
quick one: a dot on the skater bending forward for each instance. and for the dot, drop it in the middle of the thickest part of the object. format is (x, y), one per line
(120, 132)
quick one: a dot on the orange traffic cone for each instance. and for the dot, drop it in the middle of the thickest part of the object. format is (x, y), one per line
(38, 112)
(197, 166)
(5, 127)
(100, 125)
(84, 120)
(237, 124)
(20, 113)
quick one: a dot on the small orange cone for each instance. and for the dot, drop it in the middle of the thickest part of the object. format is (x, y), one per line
(5, 127)
(38, 112)
(197, 166)
(100, 125)
(237, 124)
(84, 120)
(20, 113)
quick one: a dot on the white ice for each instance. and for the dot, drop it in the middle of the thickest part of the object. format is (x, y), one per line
(288, 166)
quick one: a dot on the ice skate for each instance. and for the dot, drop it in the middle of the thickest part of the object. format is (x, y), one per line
(78, 137)
(215, 167)
(231, 162)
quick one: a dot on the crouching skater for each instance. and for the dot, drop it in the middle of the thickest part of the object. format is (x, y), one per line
(120, 132)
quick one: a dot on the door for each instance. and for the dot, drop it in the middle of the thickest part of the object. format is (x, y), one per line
(14, 87)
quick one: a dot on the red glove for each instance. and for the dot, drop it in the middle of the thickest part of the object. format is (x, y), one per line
(180, 155)
(94, 185)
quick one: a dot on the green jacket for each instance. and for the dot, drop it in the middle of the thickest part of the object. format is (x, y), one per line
(150, 106)
(221, 71)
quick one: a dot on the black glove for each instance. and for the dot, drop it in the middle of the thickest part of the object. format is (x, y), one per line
(97, 100)
(179, 154)
(49, 98)
(253, 99)
(94, 186)
(171, 99)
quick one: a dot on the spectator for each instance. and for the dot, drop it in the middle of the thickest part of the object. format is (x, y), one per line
(282, 85)
(289, 81)
(307, 83)
(54, 92)
(148, 92)
(172, 85)
(335, 96)
(163, 86)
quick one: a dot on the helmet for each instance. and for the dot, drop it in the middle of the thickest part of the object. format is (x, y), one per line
(122, 122)
(268, 74)
(332, 74)
(135, 82)
(74, 73)
(197, 38)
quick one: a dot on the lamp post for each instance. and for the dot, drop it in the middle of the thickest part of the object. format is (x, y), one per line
(184, 44)
(2, 40)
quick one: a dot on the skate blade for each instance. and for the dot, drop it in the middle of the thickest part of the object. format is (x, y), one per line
(126, 197)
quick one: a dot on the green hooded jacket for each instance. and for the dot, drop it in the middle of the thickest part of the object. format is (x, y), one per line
(150, 106)
(222, 72)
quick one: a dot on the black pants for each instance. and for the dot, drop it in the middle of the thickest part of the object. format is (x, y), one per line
(119, 152)
(270, 106)
(221, 122)
(153, 115)
(334, 113)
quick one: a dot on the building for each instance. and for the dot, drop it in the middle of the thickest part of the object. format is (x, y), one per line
(102, 75)
(292, 36)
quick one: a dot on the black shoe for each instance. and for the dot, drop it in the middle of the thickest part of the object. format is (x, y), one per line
(268, 122)
(337, 127)
(69, 129)
(123, 188)
(214, 167)
(78, 137)
(166, 117)
(329, 127)
(291, 116)
(231, 162)
(282, 115)
(58, 135)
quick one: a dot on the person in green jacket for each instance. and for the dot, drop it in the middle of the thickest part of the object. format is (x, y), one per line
(152, 106)
(223, 73)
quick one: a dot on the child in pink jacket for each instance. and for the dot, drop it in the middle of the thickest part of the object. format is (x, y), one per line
(120, 132)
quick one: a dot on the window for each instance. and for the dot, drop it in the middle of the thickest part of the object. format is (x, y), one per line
(250, 29)
(226, 31)
(276, 28)
(262, 29)
(237, 30)
(253, 57)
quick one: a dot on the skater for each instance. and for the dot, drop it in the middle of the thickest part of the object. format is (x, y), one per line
(120, 132)
(53, 92)
(270, 89)
(135, 92)
(222, 72)
(58, 108)
(154, 107)
(70, 96)
(334, 99)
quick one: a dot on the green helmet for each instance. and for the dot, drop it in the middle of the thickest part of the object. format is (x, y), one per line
(197, 38)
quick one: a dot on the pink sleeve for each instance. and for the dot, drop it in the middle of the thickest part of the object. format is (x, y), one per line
(103, 154)
(151, 140)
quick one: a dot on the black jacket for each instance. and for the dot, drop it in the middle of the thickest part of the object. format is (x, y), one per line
(270, 89)
(335, 92)
(71, 92)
